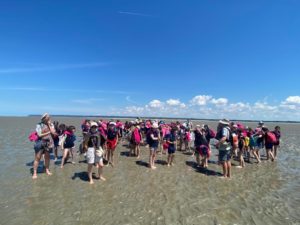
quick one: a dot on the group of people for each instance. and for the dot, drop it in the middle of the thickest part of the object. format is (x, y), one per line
(100, 139)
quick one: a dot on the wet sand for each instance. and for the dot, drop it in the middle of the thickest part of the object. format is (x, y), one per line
(266, 193)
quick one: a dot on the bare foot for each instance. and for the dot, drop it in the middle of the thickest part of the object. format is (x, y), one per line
(61, 167)
(49, 173)
(239, 167)
(91, 182)
(73, 162)
(168, 165)
(34, 177)
(102, 178)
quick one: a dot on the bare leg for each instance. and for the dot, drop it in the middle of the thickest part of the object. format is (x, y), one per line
(172, 159)
(138, 151)
(47, 162)
(224, 166)
(36, 164)
(270, 153)
(112, 157)
(153, 159)
(90, 167)
(275, 151)
(66, 151)
(100, 171)
(228, 169)
(169, 159)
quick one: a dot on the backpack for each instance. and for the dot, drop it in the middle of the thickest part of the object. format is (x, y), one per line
(112, 134)
(148, 137)
(212, 133)
(271, 138)
(136, 136)
(69, 141)
(33, 137)
(188, 136)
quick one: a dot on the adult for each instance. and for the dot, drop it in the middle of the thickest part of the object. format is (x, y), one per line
(224, 146)
(44, 145)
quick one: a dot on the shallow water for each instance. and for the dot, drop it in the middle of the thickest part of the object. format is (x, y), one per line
(259, 194)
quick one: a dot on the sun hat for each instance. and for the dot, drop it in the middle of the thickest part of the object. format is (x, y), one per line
(224, 121)
(155, 125)
(44, 116)
(94, 124)
(112, 123)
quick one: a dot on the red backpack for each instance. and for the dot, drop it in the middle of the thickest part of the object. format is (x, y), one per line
(271, 138)
(212, 133)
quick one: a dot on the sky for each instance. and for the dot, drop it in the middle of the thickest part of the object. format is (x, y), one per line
(201, 59)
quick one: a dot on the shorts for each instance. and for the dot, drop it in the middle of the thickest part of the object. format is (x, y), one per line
(154, 145)
(153, 149)
(260, 145)
(41, 146)
(92, 158)
(204, 151)
(171, 150)
(269, 146)
(224, 155)
(112, 144)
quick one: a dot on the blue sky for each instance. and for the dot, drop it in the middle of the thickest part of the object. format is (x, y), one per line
(205, 59)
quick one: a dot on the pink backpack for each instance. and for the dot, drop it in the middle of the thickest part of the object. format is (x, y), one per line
(136, 136)
(188, 136)
(271, 138)
(33, 136)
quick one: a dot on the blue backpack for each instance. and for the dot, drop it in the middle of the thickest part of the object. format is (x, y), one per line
(69, 142)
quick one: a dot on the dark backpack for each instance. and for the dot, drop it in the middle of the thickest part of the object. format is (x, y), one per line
(69, 142)
(148, 137)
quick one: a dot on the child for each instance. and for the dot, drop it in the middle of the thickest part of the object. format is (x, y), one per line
(253, 145)
(270, 140)
(153, 138)
(112, 142)
(278, 136)
(171, 139)
(94, 152)
(68, 143)
(187, 140)
(136, 140)
(241, 147)
(201, 147)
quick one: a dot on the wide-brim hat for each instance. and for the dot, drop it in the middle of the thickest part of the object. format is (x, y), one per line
(224, 122)
(44, 116)
(94, 124)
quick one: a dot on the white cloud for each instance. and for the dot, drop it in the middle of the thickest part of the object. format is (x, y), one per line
(173, 102)
(219, 101)
(292, 100)
(200, 100)
(264, 106)
(155, 104)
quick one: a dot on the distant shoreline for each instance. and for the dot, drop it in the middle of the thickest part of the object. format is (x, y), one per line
(159, 117)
